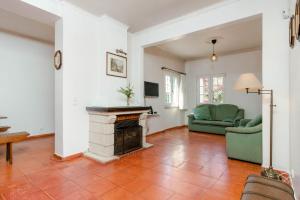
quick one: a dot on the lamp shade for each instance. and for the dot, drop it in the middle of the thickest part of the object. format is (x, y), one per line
(248, 81)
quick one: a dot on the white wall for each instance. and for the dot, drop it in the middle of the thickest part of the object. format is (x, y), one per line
(82, 81)
(232, 66)
(168, 117)
(84, 40)
(275, 67)
(58, 97)
(295, 117)
(76, 34)
(112, 35)
(294, 112)
(27, 84)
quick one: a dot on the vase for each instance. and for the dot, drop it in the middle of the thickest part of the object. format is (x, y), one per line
(128, 101)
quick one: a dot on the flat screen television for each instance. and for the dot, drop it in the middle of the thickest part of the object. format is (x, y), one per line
(151, 89)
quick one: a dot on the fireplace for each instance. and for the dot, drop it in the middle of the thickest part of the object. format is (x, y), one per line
(114, 131)
(128, 136)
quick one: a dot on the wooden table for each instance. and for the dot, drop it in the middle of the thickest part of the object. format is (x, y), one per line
(9, 139)
(4, 128)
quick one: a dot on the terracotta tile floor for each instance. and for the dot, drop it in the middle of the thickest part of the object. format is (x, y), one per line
(181, 165)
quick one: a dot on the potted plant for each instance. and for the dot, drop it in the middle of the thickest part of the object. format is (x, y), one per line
(128, 92)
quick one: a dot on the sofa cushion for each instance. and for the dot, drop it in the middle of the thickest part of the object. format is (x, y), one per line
(212, 109)
(226, 111)
(202, 113)
(214, 123)
(257, 120)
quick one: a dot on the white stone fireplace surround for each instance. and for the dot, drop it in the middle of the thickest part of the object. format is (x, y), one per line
(102, 126)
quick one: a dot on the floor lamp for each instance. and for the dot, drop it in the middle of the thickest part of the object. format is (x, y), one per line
(250, 84)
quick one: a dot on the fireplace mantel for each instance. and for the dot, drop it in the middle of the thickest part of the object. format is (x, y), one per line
(102, 128)
(117, 109)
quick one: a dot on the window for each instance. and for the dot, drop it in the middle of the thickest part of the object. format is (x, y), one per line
(168, 90)
(204, 90)
(172, 90)
(211, 89)
(218, 89)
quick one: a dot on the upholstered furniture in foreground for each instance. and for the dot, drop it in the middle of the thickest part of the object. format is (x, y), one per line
(245, 142)
(211, 118)
(262, 188)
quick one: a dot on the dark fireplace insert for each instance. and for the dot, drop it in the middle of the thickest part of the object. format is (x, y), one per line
(128, 134)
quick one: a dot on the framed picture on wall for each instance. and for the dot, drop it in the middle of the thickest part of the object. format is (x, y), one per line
(116, 65)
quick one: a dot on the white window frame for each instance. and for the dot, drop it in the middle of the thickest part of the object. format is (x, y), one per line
(173, 103)
(198, 88)
(210, 85)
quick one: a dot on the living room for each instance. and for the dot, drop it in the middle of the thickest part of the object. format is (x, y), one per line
(238, 48)
(175, 163)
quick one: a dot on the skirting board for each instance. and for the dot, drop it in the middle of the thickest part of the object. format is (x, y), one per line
(67, 158)
(147, 145)
(42, 135)
(168, 129)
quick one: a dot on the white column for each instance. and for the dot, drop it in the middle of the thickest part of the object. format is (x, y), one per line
(59, 92)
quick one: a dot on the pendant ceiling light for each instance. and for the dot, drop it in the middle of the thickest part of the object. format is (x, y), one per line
(214, 55)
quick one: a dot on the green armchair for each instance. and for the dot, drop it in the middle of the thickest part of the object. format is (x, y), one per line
(245, 142)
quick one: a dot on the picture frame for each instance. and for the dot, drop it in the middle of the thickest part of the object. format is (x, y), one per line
(57, 59)
(116, 65)
(292, 32)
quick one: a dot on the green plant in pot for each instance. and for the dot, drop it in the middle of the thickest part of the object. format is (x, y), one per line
(128, 92)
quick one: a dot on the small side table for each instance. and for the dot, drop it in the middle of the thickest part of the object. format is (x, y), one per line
(150, 116)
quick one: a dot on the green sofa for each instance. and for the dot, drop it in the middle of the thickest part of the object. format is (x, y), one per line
(245, 142)
(211, 118)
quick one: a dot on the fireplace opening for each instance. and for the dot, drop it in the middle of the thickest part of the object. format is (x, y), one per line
(128, 136)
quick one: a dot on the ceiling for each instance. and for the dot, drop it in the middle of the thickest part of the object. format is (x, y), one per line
(244, 35)
(19, 18)
(141, 14)
(18, 25)
(23, 9)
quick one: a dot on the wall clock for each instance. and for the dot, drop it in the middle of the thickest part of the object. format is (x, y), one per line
(57, 59)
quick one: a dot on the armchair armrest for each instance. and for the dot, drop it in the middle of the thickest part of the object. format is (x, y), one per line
(191, 118)
(244, 122)
(245, 130)
(239, 116)
(237, 120)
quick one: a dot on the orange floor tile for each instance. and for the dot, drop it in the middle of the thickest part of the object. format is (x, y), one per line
(181, 165)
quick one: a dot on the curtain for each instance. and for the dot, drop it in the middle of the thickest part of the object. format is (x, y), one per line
(182, 98)
(175, 95)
